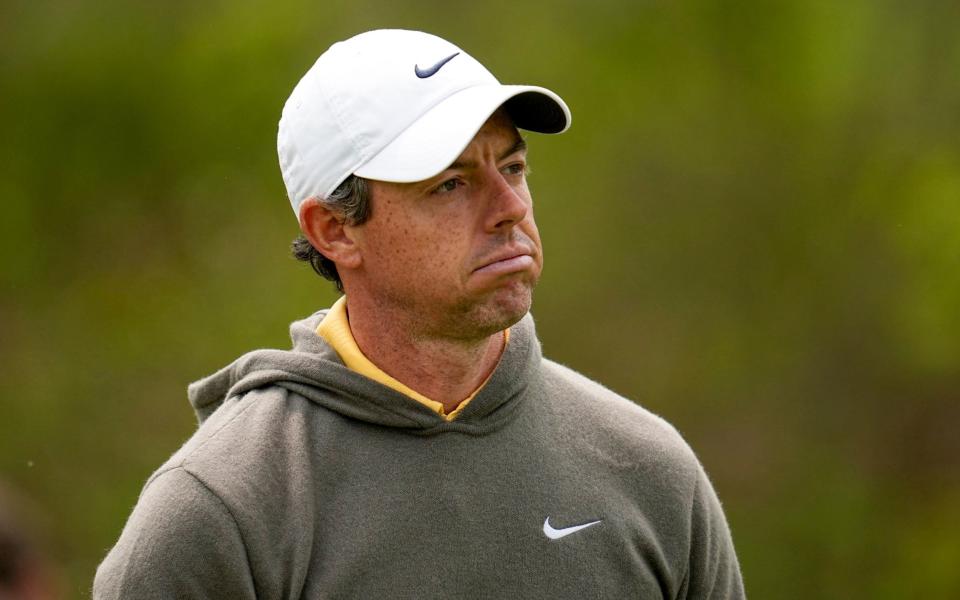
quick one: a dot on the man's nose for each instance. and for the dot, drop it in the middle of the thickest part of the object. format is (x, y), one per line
(507, 206)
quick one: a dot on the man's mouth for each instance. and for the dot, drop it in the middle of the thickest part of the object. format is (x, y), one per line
(507, 263)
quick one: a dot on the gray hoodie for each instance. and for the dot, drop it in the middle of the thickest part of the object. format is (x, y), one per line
(307, 480)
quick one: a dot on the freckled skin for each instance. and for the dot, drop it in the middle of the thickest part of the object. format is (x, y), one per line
(424, 243)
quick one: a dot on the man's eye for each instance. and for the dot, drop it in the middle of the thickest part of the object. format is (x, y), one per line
(447, 186)
(516, 169)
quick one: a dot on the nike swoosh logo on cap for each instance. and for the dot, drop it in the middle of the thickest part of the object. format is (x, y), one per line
(424, 73)
(556, 534)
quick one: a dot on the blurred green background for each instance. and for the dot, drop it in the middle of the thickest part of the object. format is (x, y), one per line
(753, 229)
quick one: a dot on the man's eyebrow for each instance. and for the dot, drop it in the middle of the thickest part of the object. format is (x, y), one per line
(519, 146)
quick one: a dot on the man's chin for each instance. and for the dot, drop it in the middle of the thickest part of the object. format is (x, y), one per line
(481, 313)
(505, 309)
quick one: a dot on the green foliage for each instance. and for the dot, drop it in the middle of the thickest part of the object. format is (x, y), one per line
(753, 228)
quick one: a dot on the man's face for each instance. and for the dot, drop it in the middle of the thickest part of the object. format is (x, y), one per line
(456, 255)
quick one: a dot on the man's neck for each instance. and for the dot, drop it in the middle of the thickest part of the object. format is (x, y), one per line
(443, 369)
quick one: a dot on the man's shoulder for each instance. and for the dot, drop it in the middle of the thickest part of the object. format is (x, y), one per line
(248, 432)
(579, 391)
(613, 420)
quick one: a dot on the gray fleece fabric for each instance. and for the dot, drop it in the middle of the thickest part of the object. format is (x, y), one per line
(307, 480)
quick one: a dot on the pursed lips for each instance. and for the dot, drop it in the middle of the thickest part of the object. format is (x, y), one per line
(513, 259)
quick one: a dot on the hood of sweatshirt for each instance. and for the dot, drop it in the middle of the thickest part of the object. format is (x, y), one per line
(314, 370)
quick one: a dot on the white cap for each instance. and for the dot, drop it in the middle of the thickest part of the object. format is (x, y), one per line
(395, 105)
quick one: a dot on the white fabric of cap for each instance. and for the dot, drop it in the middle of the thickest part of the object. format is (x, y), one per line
(363, 109)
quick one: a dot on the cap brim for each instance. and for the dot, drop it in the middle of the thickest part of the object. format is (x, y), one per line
(437, 138)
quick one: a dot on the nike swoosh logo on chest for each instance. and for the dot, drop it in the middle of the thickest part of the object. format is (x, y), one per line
(556, 534)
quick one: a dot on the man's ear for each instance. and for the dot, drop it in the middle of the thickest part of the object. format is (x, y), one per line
(329, 234)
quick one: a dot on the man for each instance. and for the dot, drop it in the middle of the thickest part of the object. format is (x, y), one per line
(414, 443)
